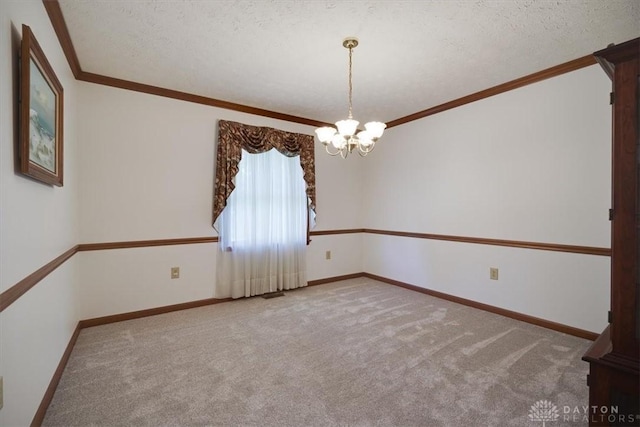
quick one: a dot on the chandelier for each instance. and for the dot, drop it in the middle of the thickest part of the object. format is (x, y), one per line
(344, 140)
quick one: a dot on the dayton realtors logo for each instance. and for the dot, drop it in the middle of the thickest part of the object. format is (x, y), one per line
(544, 411)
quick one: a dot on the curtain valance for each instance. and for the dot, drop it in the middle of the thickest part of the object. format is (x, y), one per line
(233, 137)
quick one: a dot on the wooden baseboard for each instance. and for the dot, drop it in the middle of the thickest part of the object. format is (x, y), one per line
(38, 418)
(97, 321)
(88, 323)
(570, 330)
(334, 279)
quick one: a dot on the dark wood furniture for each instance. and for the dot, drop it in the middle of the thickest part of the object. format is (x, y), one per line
(614, 358)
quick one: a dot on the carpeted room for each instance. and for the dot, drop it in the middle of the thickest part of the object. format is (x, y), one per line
(355, 352)
(519, 181)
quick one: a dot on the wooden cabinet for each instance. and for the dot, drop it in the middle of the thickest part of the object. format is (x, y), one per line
(614, 358)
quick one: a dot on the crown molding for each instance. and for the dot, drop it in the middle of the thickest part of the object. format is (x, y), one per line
(548, 73)
(60, 27)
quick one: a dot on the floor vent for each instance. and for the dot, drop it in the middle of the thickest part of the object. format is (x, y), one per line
(273, 295)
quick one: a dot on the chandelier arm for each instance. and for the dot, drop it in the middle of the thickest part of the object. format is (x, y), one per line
(326, 147)
(363, 153)
(366, 150)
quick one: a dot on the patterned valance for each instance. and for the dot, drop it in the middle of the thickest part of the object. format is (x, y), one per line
(233, 137)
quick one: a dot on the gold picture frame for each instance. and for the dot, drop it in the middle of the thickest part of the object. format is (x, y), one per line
(41, 114)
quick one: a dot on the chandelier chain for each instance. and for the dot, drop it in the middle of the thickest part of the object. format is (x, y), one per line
(350, 84)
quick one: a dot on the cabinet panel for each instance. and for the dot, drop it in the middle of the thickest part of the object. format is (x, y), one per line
(614, 358)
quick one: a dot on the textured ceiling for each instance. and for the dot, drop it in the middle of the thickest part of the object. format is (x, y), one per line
(287, 56)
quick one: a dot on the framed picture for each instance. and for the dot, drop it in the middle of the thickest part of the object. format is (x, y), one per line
(41, 104)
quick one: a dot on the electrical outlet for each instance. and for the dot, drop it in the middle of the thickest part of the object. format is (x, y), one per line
(327, 255)
(493, 273)
(175, 272)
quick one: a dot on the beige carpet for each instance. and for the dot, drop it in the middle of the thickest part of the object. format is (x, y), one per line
(351, 353)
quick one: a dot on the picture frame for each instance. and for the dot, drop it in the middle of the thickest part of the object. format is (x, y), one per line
(41, 148)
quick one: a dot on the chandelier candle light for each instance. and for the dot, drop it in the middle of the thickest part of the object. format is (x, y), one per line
(344, 139)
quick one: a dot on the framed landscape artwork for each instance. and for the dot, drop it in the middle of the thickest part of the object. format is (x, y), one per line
(41, 98)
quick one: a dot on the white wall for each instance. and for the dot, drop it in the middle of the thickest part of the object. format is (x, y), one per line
(147, 173)
(37, 224)
(532, 164)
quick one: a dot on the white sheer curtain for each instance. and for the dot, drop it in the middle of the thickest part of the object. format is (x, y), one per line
(263, 228)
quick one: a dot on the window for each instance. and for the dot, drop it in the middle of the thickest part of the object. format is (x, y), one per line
(268, 206)
(263, 201)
